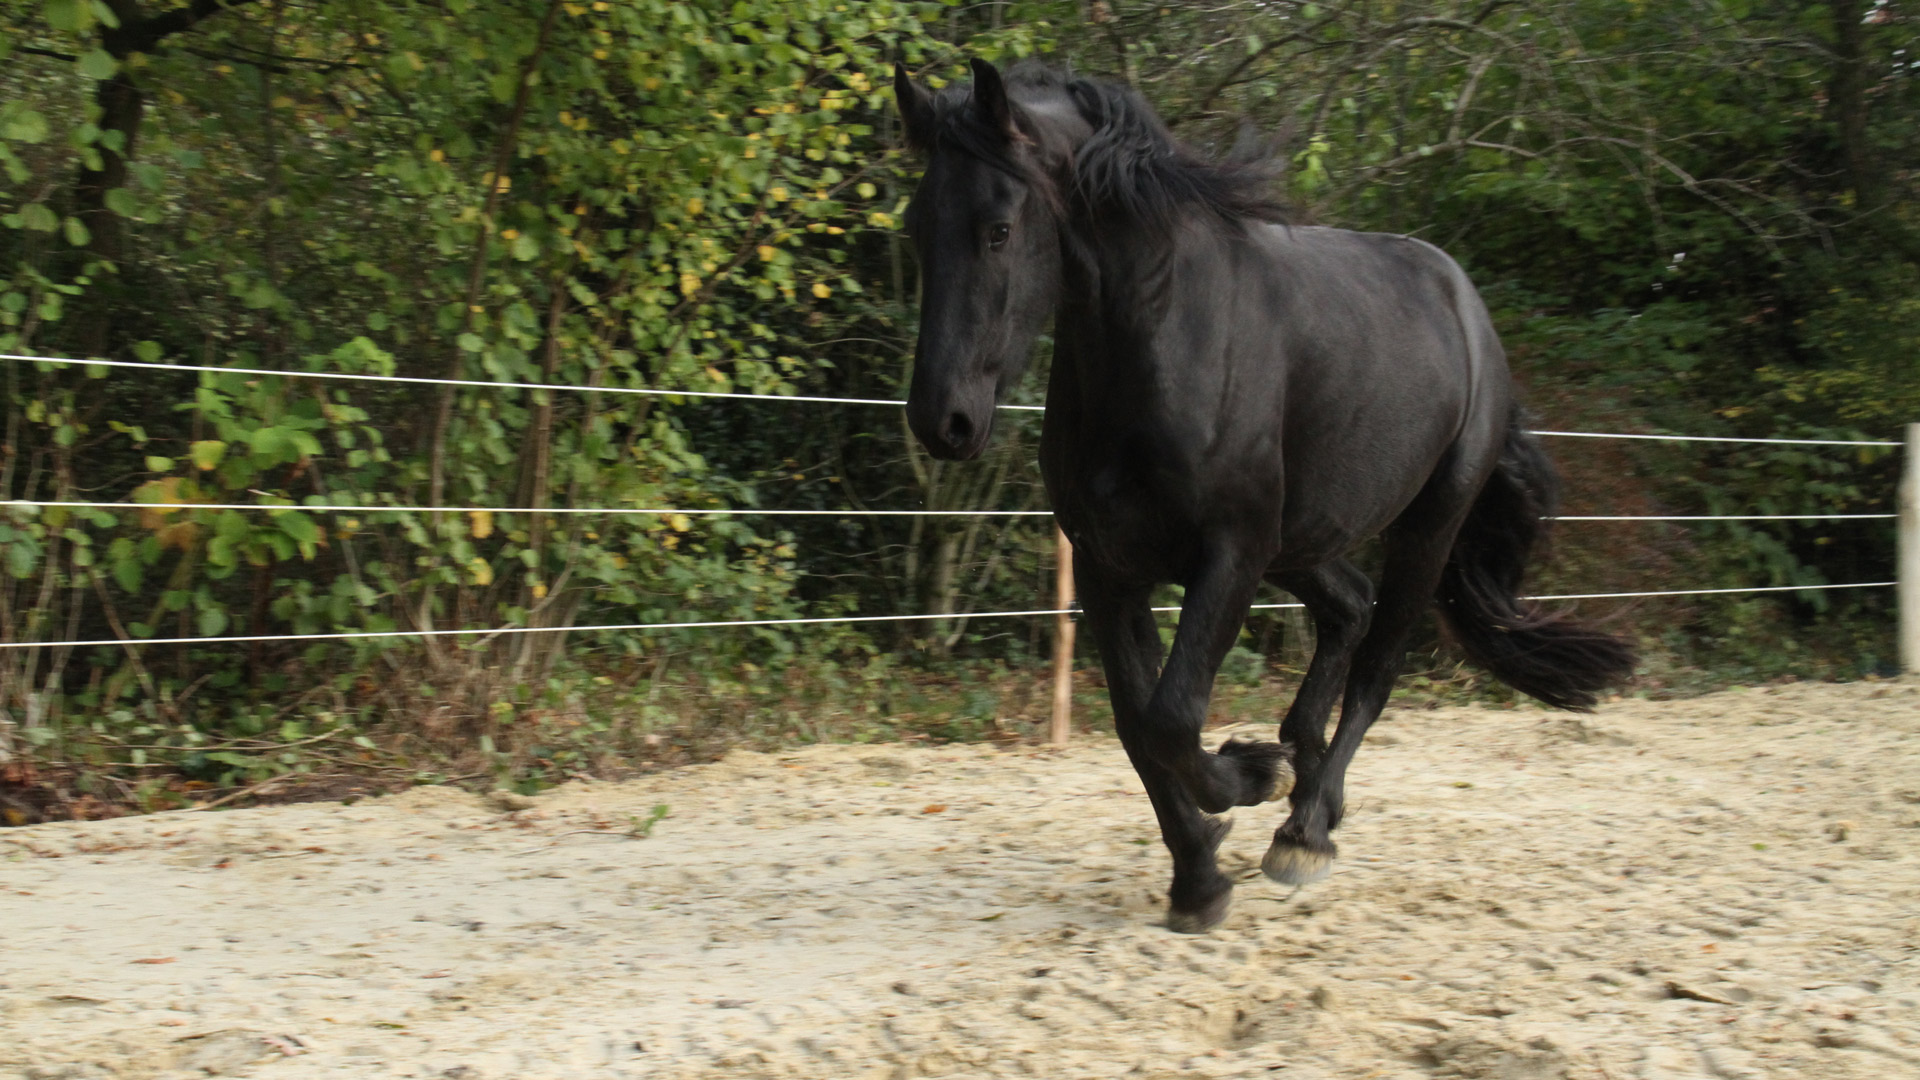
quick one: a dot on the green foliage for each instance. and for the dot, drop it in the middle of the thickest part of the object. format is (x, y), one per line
(637, 194)
(1695, 219)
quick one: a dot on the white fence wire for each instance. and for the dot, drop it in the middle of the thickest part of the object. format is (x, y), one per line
(475, 384)
(375, 508)
(751, 511)
(1716, 438)
(486, 634)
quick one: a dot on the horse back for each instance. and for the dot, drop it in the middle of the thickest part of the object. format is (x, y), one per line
(1387, 368)
(1296, 384)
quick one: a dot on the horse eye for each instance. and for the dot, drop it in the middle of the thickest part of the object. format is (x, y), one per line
(997, 236)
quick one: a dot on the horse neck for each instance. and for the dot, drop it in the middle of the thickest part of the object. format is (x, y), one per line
(1117, 287)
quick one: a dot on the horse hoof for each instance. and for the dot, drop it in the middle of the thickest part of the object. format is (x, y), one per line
(1202, 919)
(1290, 864)
(1267, 769)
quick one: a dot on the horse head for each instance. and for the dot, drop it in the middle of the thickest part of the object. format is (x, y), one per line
(984, 227)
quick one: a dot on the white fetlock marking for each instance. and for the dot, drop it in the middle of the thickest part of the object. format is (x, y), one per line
(1186, 922)
(1282, 782)
(1291, 865)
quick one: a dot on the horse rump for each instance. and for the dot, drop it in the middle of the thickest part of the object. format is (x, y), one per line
(1543, 654)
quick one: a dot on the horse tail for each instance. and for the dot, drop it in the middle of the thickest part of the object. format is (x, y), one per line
(1539, 653)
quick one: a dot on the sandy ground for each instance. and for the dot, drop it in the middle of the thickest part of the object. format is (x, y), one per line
(1724, 887)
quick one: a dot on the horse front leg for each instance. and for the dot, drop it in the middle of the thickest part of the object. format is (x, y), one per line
(1129, 643)
(1242, 773)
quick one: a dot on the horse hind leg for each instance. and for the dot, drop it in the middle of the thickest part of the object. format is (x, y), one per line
(1339, 598)
(1416, 549)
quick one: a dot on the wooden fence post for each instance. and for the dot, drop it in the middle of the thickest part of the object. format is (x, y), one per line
(1909, 564)
(1062, 641)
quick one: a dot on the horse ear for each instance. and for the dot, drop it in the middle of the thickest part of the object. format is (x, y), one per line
(990, 97)
(916, 109)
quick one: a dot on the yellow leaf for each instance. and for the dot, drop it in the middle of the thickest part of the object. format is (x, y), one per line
(680, 522)
(207, 454)
(509, 234)
(482, 571)
(437, 156)
(482, 523)
(695, 205)
(767, 252)
(185, 536)
(689, 284)
(779, 194)
(821, 291)
(539, 592)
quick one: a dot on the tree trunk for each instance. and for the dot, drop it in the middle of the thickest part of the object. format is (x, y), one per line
(1847, 104)
(476, 272)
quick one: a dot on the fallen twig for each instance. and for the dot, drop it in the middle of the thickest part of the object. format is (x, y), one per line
(628, 833)
(642, 828)
(254, 789)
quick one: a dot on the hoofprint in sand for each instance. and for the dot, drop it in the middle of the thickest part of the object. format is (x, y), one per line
(1722, 887)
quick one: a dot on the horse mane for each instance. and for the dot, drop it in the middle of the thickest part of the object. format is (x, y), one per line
(1131, 167)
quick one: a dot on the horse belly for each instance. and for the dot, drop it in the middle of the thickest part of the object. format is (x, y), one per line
(1309, 539)
(1337, 501)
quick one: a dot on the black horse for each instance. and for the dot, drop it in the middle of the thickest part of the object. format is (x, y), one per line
(1232, 399)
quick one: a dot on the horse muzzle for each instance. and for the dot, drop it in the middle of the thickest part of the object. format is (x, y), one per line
(953, 434)
(952, 426)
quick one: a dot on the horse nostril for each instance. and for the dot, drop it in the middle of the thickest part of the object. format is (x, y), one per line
(959, 430)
